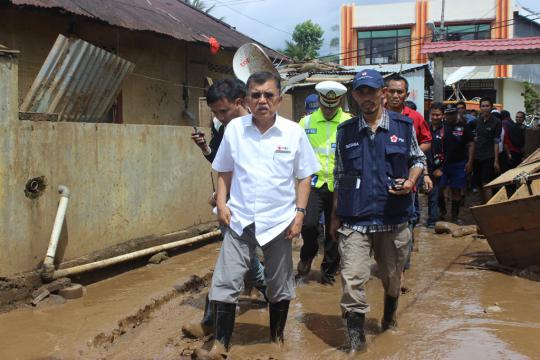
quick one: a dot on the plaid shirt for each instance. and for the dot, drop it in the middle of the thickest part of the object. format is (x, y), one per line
(417, 159)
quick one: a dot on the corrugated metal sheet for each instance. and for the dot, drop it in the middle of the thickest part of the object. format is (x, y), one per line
(78, 81)
(169, 17)
(501, 46)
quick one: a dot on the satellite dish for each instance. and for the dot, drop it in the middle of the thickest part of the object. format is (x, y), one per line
(251, 58)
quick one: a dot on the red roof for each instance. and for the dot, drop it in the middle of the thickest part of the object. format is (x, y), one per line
(501, 46)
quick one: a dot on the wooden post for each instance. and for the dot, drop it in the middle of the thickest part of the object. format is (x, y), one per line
(438, 74)
(9, 89)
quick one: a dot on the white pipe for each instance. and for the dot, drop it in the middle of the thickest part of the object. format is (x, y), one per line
(121, 258)
(48, 263)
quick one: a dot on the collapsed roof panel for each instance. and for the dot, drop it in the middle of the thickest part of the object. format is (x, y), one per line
(78, 81)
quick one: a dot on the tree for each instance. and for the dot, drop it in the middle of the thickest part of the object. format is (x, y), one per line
(531, 98)
(307, 39)
(200, 5)
(334, 46)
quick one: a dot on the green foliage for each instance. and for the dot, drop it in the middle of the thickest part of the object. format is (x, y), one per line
(532, 98)
(201, 5)
(307, 39)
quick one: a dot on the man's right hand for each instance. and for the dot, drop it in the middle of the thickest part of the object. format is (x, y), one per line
(335, 224)
(199, 139)
(224, 215)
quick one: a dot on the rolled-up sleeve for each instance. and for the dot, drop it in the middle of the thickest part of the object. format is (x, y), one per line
(417, 158)
(305, 162)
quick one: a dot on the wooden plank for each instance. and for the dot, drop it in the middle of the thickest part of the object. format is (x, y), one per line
(521, 248)
(37, 116)
(534, 157)
(508, 177)
(205, 114)
(509, 216)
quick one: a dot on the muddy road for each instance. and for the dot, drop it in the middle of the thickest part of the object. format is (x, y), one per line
(452, 311)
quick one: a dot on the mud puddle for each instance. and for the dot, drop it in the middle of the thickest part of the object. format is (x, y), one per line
(453, 311)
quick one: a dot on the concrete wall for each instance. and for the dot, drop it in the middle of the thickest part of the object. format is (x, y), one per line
(127, 181)
(385, 14)
(462, 10)
(152, 94)
(511, 95)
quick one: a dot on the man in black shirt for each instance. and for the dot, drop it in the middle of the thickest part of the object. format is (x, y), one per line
(458, 148)
(226, 100)
(435, 160)
(486, 156)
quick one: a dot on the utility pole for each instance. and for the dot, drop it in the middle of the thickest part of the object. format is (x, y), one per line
(438, 64)
(442, 32)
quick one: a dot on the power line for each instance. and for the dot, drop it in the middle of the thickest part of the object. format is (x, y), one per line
(252, 18)
(418, 40)
(398, 48)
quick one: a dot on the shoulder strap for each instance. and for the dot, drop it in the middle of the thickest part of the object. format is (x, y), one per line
(307, 122)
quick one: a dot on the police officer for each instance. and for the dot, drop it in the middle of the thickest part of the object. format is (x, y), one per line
(378, 162)
(311, 103)
(320, 127)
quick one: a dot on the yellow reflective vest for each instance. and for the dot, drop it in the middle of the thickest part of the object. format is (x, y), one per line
(322, 137)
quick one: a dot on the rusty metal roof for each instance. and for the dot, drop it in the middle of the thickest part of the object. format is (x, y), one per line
(499, 46)
(169, 17)
(78, 81)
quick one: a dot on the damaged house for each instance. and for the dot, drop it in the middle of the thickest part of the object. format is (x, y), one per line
(100, 96)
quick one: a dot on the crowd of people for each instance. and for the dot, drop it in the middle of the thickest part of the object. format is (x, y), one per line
(360, 176)
(468, 151)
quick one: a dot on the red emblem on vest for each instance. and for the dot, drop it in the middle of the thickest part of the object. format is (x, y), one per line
(393, 138)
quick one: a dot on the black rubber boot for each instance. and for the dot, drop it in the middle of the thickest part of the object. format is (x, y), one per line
(455, 210)
(278, 318)
(355, 328)
(224, 314)
(389, 317)
(442, 207)
(262, 290)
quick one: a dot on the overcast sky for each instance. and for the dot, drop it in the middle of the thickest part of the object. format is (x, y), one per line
(271, 22)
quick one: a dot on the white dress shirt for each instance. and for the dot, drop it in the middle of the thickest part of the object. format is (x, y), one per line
(264, 168)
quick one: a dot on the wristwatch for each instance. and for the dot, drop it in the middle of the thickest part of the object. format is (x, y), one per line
(302, 210)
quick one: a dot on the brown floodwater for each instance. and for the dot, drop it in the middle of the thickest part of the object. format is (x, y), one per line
(444, 316)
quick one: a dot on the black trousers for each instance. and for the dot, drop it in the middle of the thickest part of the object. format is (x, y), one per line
(320, 201)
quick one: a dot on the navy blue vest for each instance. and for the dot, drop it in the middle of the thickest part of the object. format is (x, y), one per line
(370, 167)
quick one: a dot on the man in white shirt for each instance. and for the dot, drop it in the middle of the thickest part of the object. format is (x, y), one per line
(259, 160)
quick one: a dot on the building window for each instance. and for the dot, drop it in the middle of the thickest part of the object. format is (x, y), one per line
(468, 32)
(384, 46)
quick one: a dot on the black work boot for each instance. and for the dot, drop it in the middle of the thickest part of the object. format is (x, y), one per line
(442, 207)
(205, 327)
(355, 328)
(304, 266)
(278, 318)
(389, 317)
(224, 314)
(455, 210)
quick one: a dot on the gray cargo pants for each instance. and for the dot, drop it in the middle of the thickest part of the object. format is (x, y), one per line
(390, 249)
(235, 260)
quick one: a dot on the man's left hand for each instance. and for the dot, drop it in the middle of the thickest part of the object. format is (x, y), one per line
(296, 226)
(428, 183)
(405, 188)
(497, 167)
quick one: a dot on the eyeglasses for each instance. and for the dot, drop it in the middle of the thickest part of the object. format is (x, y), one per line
(257, 95)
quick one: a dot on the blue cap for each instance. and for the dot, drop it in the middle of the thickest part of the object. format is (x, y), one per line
(368, 77)
(312, 103)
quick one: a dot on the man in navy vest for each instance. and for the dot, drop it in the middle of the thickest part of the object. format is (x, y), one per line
(378, 162)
